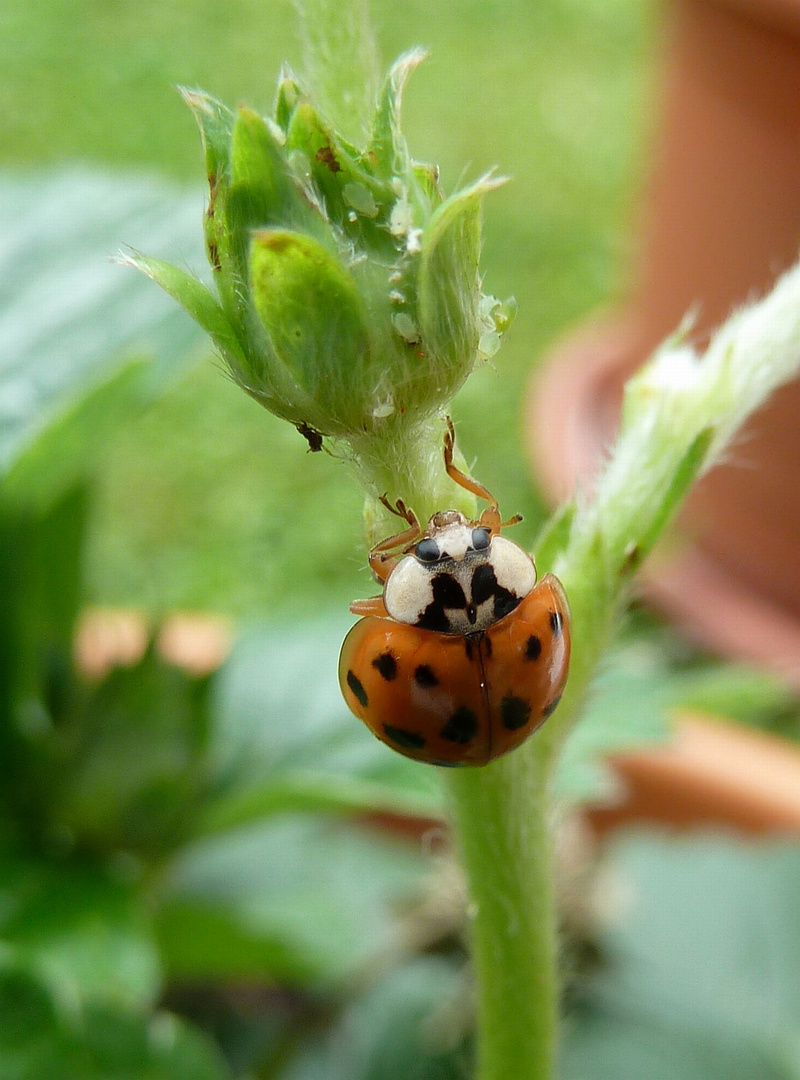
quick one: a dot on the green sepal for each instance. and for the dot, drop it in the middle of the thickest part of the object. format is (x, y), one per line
(262, 192)
(387, 154)
(315, 320)
(215, 121)
(448, 284)
(197, 300)
(354, 200)
(287, 98)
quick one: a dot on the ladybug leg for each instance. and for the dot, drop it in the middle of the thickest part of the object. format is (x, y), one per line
(384, 556)
(373, 606)
(490, 518)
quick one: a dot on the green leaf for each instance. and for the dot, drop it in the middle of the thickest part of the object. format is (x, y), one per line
(40, 1038)
(133, 752)
(628, 708)
(311, 791)
(315, 895)
(200, 940)
(410, 1023)
(71, 447)
(702, 954)
(79, 931)
(276, 728)
(69, 315)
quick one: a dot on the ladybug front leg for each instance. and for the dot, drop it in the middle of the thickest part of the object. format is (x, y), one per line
(385, 556)
(490, 518)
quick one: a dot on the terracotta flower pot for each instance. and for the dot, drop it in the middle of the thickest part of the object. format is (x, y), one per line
(713, 774)
(720, 220)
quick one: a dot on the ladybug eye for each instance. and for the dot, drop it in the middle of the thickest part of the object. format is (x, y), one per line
(427, 551)
(481, 539)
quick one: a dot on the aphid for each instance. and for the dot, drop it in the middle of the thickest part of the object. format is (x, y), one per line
(464, 655)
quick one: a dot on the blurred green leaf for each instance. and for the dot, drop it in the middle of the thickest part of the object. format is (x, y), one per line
(133, 753)
(82, 933)
(634, 700)
(311, 791)
(703, 948)
(69, 315)
(72, 446)
(315, 896)
(282, 736)
(40, 565)
(40, 1039)
(410, 1025)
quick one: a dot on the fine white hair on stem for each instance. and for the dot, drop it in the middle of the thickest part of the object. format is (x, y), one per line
(676, 398)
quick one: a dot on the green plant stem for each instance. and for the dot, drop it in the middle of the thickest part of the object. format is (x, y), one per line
(502, 819)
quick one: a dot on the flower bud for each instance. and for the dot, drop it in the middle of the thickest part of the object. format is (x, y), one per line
(346, 295)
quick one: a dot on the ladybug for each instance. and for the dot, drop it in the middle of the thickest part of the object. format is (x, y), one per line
(464, 655)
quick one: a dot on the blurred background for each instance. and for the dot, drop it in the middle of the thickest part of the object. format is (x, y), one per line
(207, 867)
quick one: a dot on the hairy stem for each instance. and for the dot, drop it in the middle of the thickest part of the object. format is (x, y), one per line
(502, 820)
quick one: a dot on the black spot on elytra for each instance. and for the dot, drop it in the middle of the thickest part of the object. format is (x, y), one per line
(462, 727)
(425, 676)
(468, 648)
(484, 583)
(548, 710)
(410, 740)
(447, 593)
(487, 647)
(357, 687)
(386, 665)
(515, 712)
(533, 650)
(504, 602)
(556, 623)
(448, 764)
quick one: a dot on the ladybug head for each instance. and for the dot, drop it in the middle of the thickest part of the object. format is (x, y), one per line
(458, 578)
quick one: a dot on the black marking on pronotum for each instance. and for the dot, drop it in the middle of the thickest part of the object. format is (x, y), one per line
(504, 602)
(386, 665)
(425, 676)
(411, 740)
(462, 727)
(447, 593)
(533, 650)
(484, 583)
(515, 712)
(556, 622)
(548, 710)
(357, 687)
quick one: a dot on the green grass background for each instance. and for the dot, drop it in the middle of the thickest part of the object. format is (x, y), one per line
(208, 502)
